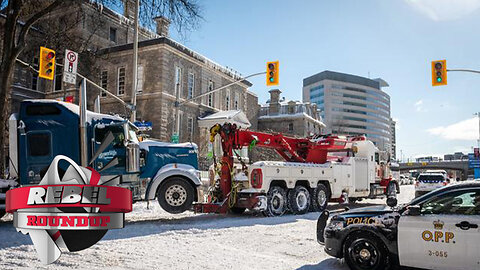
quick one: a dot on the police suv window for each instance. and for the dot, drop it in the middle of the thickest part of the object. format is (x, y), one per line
(38, 144)
(465, 202)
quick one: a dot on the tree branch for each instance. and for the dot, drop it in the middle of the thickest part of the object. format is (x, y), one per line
(28, 24)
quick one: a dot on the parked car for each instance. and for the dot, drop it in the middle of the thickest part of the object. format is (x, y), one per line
(427, 182)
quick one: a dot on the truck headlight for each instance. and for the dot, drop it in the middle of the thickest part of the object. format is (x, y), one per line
(335, 225)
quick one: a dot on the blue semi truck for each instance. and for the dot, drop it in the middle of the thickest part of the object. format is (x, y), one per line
(44, 129)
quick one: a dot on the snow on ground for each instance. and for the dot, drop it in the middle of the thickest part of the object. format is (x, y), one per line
(154, 239)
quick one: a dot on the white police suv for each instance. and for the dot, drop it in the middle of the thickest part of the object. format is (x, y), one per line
(429, 181)
(439, 230)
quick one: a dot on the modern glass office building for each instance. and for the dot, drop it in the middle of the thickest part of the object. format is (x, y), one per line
(351, 105)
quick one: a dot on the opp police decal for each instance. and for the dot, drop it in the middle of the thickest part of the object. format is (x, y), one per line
(71, 212)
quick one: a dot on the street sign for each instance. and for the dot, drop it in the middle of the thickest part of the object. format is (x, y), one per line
(473, 161)
(175, 138)
(70, 67)
(143, 126)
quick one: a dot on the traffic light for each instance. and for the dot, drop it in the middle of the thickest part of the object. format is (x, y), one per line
(272, 73)
(47, 63)
(439, 72)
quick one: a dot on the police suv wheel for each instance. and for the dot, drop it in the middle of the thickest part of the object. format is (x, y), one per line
(320, 197)
(276, 202)
(299, 200)
(363, 251)
(175, 195)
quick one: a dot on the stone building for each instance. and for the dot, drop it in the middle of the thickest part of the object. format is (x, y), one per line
(289, 117)
(292, 118)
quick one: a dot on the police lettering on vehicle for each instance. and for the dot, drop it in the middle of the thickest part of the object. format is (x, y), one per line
(362, 220)
(437, 235)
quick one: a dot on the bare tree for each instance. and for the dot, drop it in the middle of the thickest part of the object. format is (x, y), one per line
(21, 15)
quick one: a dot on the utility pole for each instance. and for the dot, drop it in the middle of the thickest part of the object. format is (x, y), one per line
(135, 59)
(478, 140)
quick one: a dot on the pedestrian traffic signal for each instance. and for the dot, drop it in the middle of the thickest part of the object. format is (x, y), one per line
(439, 72)
(47, 63)
(272, 73)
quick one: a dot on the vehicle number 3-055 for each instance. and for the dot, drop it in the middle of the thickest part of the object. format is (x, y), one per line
(438, 253)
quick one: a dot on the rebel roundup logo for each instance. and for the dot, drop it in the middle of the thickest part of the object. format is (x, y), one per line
(68, 210)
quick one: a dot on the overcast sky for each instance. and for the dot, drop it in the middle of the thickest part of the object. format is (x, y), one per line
(394, 40)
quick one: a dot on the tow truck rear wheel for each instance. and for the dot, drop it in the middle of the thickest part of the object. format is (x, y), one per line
(175, 195)
(299, 200)
(276, 202)
(320, 197)
(364, 251)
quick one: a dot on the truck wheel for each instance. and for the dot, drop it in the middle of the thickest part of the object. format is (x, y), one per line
(175, 195)
(276, 202)
(237, 210)
(320, 198)
(299, 200)
(365, 251)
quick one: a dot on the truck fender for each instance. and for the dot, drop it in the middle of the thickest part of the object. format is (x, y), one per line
(176, 169)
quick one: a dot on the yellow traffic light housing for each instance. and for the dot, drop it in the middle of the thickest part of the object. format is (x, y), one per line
(439, 72)
(47, 63)
(272, 73)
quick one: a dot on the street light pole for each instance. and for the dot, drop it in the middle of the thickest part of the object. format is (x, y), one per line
(178, 103)
(133, 116)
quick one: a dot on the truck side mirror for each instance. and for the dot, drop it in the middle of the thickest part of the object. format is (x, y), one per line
(413, 210)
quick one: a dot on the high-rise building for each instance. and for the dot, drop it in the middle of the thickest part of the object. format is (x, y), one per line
(394, 139)
(352, 105)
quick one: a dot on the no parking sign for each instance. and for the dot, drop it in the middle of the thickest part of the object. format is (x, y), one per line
(70, 67)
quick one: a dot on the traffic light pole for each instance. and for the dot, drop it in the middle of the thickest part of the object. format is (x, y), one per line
(464, 70)
(178, 103)
(221, 88)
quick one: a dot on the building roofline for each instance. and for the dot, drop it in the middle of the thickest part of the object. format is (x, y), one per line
(179, 47)
(344, 77)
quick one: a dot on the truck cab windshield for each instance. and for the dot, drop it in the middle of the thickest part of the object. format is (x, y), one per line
(101, 132)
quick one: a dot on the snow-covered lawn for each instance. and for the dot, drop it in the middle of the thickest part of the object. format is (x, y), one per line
(154, 239)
